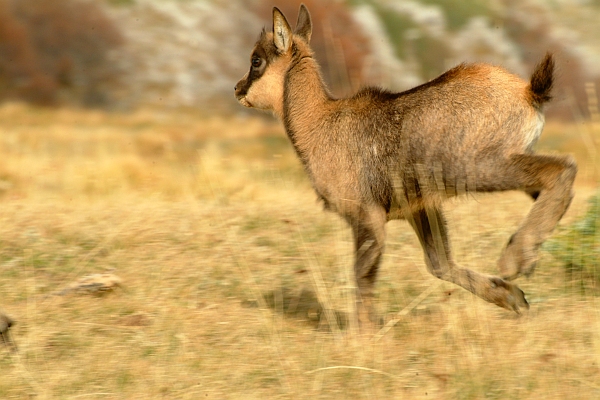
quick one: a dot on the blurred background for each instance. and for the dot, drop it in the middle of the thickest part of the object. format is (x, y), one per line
(126, 54)
(123, 152)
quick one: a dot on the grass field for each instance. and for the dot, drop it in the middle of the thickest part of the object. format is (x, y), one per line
(226, 258)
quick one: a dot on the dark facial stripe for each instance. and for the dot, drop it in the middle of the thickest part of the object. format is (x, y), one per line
(255, 72)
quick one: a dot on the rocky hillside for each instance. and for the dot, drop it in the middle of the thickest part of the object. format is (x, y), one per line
(190, 53)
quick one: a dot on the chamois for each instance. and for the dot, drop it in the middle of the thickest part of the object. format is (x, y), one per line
(378, 155)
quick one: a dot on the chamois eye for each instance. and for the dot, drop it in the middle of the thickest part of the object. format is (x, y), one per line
(256, 62)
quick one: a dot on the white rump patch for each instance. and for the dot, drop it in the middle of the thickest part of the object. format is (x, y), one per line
(534, 130)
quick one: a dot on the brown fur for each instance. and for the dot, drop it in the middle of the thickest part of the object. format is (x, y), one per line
(379, 155)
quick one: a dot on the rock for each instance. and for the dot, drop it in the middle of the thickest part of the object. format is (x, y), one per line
(94, 283)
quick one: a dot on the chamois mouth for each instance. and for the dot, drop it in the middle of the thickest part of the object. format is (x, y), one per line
(243, 101)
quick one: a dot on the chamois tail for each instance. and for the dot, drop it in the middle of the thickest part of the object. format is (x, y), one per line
(542, 80)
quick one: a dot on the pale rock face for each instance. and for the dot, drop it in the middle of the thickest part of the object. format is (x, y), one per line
(191, 53)
(185, 53)
(480, 41)
(382, 67)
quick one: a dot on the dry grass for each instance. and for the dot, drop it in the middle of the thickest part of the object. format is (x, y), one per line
(223, 252)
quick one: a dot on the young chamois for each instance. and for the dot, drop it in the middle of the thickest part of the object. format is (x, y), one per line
(378, 155)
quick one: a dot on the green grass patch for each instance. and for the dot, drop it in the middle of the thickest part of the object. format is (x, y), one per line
(577, 247)
(459, 12)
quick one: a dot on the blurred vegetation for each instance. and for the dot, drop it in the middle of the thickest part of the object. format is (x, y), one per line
(459, 12)
(121, 2)
(396, 26)
(577, 247)
(123, 54)
(228, 263)
(411, 42)
(56, 50)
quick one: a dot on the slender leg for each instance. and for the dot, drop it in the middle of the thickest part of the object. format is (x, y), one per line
(430, 227)
(369, 236)
(549, 180)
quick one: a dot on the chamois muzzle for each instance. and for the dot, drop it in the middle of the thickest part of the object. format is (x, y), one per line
(240, 90)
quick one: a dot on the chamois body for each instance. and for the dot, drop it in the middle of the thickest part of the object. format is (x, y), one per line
(379, 155)
(354, 148)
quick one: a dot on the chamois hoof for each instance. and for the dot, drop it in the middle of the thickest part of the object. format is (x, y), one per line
(516, 260)
(507, 295)
(368, 320)
(520, 302)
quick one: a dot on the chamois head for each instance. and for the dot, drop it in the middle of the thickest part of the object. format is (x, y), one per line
(262, 87)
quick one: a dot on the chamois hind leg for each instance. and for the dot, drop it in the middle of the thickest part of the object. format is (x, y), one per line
(431, 229)
(549, 181)
(368, 228)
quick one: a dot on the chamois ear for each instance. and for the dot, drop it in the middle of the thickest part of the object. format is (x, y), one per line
(282, 33)
(304, 24)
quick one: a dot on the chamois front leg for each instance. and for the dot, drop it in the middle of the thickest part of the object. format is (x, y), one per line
(431, 229)
(368, 228)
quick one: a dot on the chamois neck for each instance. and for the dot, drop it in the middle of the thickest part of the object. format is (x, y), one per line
(305, 93)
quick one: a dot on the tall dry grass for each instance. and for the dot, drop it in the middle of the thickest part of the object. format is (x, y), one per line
(226, 259)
